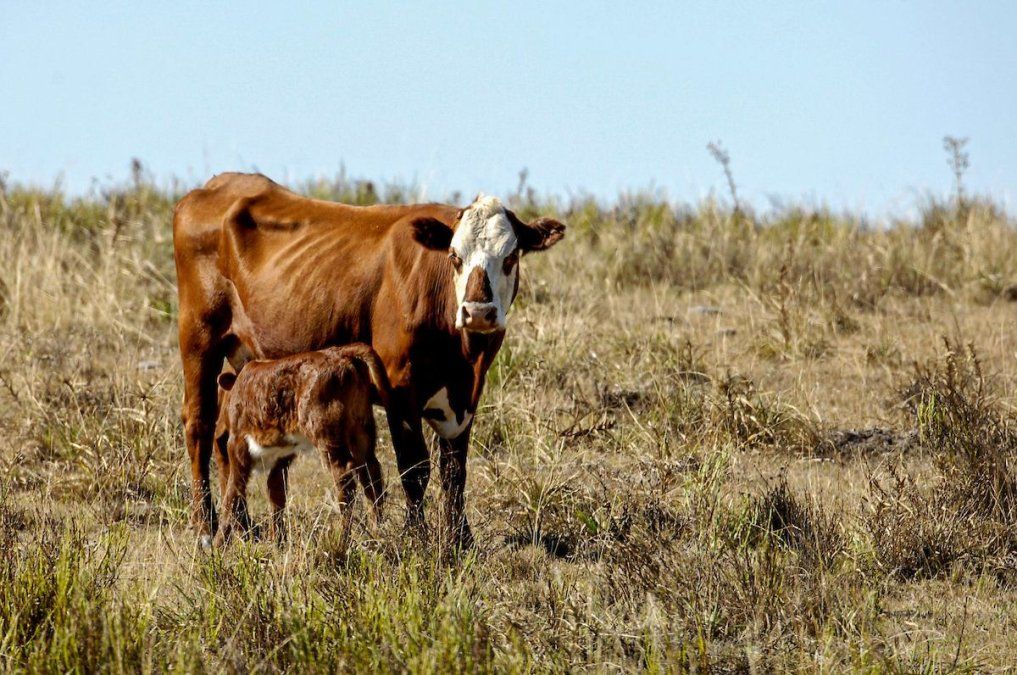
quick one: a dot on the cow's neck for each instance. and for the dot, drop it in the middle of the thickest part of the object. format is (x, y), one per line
(478, 346)
(479, 350)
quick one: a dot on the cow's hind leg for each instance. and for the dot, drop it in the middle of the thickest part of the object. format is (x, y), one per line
(202, 358)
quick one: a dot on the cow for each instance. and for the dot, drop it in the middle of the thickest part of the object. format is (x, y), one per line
(275, 410)
(263, 273)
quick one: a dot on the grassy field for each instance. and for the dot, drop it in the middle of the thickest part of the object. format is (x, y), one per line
(713, 440)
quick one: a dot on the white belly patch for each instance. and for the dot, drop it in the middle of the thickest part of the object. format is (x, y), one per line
(443, 419)
(265, 457)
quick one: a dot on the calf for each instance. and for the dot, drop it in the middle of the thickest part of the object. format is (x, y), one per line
(274, 410)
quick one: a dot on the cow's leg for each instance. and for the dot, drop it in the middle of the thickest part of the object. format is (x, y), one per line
(413, 460)
(234, 502)
(452, 461)
(202, 361)
(277, 479)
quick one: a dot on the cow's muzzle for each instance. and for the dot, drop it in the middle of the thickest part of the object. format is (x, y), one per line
(479, 317)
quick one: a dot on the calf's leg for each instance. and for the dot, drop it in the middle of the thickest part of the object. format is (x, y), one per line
(369, 470)
(340, 464)
(234, 505)
(277, 479)
(222, 460)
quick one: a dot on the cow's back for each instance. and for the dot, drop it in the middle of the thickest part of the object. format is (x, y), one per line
(197, 219)
(197, 227)
(284, 272)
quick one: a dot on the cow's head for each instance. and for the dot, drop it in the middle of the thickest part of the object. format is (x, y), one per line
(483, 248)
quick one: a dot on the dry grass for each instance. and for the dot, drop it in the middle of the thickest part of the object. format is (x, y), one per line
(712, 441)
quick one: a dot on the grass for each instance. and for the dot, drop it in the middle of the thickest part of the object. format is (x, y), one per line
(714, 440)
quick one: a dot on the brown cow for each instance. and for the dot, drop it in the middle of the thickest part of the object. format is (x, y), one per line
(264, 273)
(274, 410)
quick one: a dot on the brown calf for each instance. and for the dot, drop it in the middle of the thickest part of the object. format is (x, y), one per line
(274, 410)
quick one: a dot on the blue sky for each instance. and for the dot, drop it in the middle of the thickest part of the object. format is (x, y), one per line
(839, 103)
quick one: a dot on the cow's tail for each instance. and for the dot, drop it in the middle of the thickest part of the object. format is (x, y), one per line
(376, 371)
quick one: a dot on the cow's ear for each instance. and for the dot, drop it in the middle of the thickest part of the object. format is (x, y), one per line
(227, 380)
(539, 235)
(432, 233)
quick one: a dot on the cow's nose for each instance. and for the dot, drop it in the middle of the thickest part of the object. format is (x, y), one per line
(479, 316)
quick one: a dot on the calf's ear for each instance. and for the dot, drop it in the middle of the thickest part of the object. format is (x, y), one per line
(432, 233)
(538, 235)
(227, 380)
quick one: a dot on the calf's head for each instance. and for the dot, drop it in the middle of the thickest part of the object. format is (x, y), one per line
(483, 247)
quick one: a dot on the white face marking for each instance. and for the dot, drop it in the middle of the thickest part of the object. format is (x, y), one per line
(483, 239)
(449, 426)
(265, 457)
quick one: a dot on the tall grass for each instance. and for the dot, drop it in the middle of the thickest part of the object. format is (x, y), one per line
(656, 482)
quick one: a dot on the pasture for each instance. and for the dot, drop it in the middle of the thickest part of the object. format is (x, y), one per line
(713, 440)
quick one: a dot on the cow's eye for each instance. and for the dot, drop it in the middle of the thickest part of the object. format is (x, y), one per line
(456, 261)
(510, 261)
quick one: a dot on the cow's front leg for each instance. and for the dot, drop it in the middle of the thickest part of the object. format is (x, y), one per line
(453, 484)
(412, 457)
